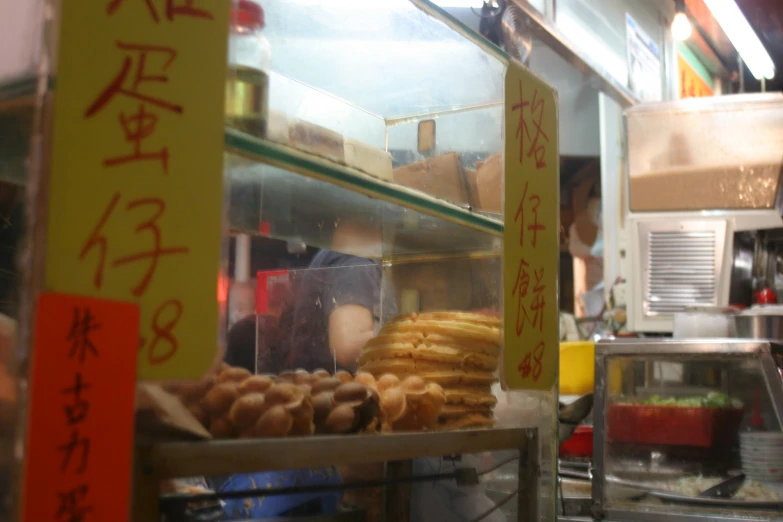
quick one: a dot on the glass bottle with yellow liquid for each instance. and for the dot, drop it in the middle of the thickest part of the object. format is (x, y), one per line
(247, 81)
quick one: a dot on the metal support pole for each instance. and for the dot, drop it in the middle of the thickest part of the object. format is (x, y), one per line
(397, 505)
(146, 486)
(527, 498)
(242, 259)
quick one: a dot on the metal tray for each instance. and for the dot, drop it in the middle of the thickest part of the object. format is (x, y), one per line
(696, 501)
(681, 499)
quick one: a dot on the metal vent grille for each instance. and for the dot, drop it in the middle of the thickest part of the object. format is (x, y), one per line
(681, 270)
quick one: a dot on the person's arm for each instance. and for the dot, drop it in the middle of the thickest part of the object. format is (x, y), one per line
(350, 327)
(353, 291)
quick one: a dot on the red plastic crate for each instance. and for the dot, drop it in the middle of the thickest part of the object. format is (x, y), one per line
(672, 425)
(580, 444)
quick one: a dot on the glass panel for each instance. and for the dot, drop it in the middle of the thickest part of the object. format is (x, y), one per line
(675, 427)
(446, 146)
(387, 57)
(298, 208)
(445, 284)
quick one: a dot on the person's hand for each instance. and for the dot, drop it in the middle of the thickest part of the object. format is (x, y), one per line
(350, 327)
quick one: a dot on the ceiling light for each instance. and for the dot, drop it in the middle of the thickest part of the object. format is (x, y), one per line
(681, 27)
(742, 36)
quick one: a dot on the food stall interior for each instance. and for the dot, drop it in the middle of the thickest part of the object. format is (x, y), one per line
(374, 187)
(383, 142)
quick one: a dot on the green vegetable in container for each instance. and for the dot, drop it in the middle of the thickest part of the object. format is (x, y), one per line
(711, 400)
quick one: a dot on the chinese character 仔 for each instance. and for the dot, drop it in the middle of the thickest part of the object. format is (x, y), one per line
(150, 225)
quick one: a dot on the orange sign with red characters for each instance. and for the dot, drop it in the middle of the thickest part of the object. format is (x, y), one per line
(80, 426)
(692, 85)
(531, 243)
(137, 170)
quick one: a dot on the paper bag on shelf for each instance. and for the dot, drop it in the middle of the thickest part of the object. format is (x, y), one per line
(161, 415)
(441, 177)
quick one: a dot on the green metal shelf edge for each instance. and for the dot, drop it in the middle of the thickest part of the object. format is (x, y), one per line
(270, 153)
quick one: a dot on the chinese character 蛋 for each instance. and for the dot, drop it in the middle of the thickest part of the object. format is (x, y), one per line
(129, 85)
(138, 125)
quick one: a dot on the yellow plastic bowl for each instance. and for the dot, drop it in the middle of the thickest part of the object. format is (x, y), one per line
(577, 367)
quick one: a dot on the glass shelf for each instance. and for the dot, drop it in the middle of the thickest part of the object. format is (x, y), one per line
(287, 194)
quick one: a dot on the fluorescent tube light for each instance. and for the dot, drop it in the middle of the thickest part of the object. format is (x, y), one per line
(742, 36)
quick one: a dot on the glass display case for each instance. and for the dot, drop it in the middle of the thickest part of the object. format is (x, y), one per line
(675, 418)
(716, 153)
(384, 150)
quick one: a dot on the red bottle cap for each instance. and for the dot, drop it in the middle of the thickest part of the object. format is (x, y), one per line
(766, 296)
(247, 14)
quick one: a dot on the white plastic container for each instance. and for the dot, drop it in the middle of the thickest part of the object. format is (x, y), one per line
(704, 323)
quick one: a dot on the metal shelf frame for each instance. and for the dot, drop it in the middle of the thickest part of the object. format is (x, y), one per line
(160, 461)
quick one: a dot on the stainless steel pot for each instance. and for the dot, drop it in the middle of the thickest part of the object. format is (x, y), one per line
(759, 326)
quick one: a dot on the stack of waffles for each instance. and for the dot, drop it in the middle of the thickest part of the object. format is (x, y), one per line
(457, 350)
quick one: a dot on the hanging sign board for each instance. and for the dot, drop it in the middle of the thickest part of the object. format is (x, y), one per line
(80, 424)
(644, 63)
(135, 209)
(691, 84)
(531, 243)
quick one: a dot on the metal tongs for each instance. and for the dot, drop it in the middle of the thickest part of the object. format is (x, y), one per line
(726, 489)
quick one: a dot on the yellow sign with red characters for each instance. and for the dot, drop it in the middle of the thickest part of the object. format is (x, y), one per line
(136, 199)
(531, 242)
(692, 85)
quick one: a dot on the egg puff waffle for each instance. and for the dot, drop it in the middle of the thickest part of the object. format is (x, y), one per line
(445, 356)
(458, 325)
(478, 396)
